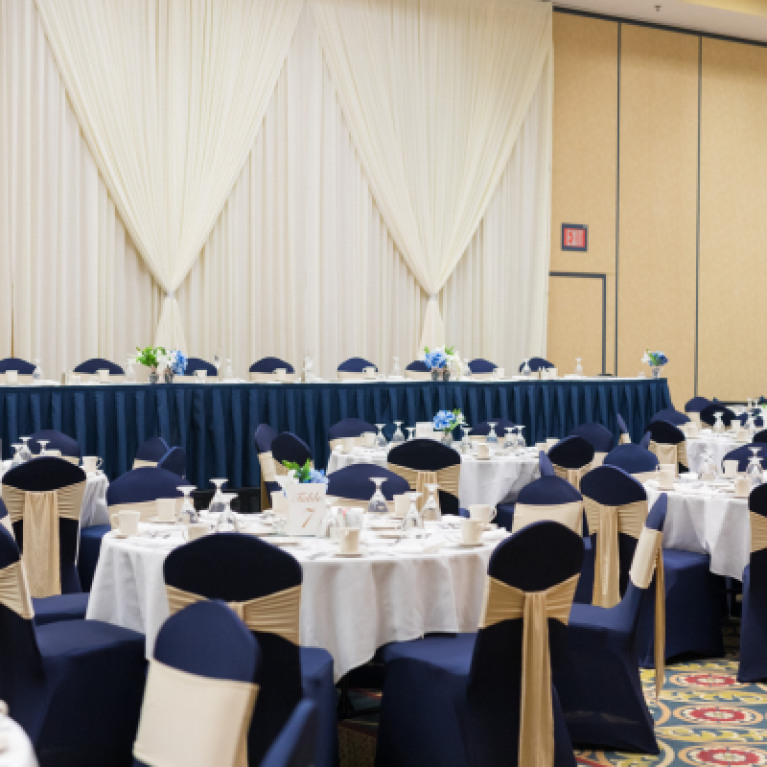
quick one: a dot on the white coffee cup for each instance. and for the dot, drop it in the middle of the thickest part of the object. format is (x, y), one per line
(730, 468)
(551, 442)
(74, 380)
(666, 476)
(194, 531)
(368, 439)
(369, 372)
(348, 444)
(500, 372)
(11, 376)
(482, 512)
(281, 373)
(742, 486)
(91, 463)
(471, 531)
(201, 375)
(103, 376)
(553, 372)
(166, 509)
(126, 522)
(349, 540)
(401, 505)
(483, 450)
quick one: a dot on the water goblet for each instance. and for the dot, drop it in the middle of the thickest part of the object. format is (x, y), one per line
(396, 370)
(398, 437)
(410, 433)
(26, 453)
(217, 502)
(228, 371)
(521, 444)
(42, 443)
(754, 469)
(130, 371)
(227, 519)
(465, 440)
(526, 372)
(377, 504)
(380, 441)
(430, 511)
(510, 442)
(718, 427)
(17, 459)
(308, 365)
(412, 520)
(578, 367)
(217, 363)
(37, 373)
(465, 369)
(492, 437)
(188, 514)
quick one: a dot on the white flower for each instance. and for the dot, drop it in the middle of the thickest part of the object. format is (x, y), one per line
(645, 359)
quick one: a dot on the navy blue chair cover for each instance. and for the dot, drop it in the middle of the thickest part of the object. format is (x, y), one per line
(143, 485)
(667, 433)
(74, 686)
(480, 365)
(707, 414)
(753, 625)
(455, 699)
(264, 437)
(269, 365)
(354, 482)
(742, 454)
(547, 470)
(95, 364)
(621, 424)
(742, 419)
(297, 742)
(174, 460)
(633, 459)
(195, 363)
(90, 549)
(56, 441)
(152, 450)
(288, 447)
(428, 455)
(536, 363)
(14, 363)
(571, 453)
(482, 429)
(645, 441)
(760, 436)
(355, 365)
(671, 416)
(238, 568)
(696, 404)
(418, 366)
(505, 511)
(350, 427)
(42, 475)
(599, 686)
(596, 435)
(208, 640)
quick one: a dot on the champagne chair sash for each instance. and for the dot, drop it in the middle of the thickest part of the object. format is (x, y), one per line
(14, 590)
(503, 602)
(418, 375)
(675, 454)
(573, 476)
(648, 558)
(625, 439)
(40, 513)
(272, 377)
(568, 514)
(139, 463)
(267, 466)
(23, 378)
(607, 522)
(276, 613)
(448, 480)
(70, 459)
(194, 379)
(358, 441)
(482, 376)
(645, 476)
(220, 708)
(599, 459)
(8, 525)
(342, 374)
(758, 532)
(146, 509)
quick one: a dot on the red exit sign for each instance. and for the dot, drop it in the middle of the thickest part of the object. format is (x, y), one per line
(575, 237)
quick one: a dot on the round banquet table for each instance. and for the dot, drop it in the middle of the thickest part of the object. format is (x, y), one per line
(16, 750)
(349, 606)
(709, 521)
(495, 480)
(717, 444)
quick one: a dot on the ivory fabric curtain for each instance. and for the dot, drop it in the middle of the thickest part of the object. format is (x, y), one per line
(434, 93)
(170, 95)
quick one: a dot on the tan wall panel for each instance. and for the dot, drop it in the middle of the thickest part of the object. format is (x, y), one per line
(575, 323)
(658, 202)
(584, 171)
(733, 211)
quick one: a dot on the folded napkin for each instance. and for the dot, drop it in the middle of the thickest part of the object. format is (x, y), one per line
(495, 535)
(430, 545)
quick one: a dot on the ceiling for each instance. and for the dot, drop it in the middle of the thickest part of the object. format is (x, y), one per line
(714, 16)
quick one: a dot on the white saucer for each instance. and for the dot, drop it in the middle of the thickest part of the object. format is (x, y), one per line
(462, 545)
(353, 555)
(396, 534)
(155, 520)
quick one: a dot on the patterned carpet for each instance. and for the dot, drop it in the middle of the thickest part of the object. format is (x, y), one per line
(704, 717)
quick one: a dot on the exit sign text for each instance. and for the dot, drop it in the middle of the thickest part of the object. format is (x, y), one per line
(575, 237)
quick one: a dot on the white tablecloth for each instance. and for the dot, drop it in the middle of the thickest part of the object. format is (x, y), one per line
(493, 481)
(18, 751)
(717, 445)
(350, 607)
(713, 523)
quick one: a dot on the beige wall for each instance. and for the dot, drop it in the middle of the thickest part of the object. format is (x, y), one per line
(659, 146)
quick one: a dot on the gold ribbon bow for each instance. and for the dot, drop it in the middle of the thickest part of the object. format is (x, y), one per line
(139, 463)
(504, 602)
(448, 480)
(607, 522)
(14, 590)
(568, 514)
(625, 439)
(276, 613)
(758, 532)
(670, 454)
(573, 476)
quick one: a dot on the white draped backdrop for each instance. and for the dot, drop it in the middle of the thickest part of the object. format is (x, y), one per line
(299, 256)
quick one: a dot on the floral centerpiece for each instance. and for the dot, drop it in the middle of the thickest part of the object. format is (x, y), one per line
(447, 421)
(442, 361)
(158, 359)
(306, 474)
(656, 361)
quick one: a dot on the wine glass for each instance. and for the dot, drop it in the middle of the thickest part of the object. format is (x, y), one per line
(465, 369)
(381, 442)
(492, 437)
(217, 504)
(410, 433)
(526, 372)
(130, 372)
(228, 371)
(718, 427)
(42, 443)
(578, 367)
(521, 444)
(26, 453)
(227, 519)
(511, 441)
(398, 437)
(377, 503)
(330, 523)
(37, 373)
(430, 511)
(707, 467)
(216, 363)
(188, 514)
(412, 520)
(465, 440)
(754, 470)
(17, 459)
(308, 365)
(396, 370)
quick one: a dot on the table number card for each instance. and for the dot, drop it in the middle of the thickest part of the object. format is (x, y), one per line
(306, 508)
(424, 430)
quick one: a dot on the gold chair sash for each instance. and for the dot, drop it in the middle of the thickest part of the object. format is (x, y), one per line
(350, 374)
(645, 476)
(276, 613)
(8, 525)
(648, 559)
(625, 439)
(448, 480)
(268, 466)
(671, 454)
(606, 522)
(418, 375)
(22, 378)
(139, 463)
(568, 514)
(14, 590)
(146, 509)
(482, 376)
(599, 459)
(573, 476)
(194, 379)
(358, 442)
(193, 721)
(40, 513)
(503, 602)
(758, 532)
(272, 377)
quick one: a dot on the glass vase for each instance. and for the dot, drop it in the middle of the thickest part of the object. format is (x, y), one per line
(436, 374)
(447, 438)
(153, 377)
(656, 370)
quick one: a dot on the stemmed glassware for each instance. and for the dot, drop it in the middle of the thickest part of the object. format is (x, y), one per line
(465, 369)
(521, 444)
(465, 440)
(396, 370)
(228, 371)
(217, 363)
(37, 373)
(398, 437)
(578, 367)
(430, 511)
(718, 427)
(217, 504)
(754, 470)
(130, 371)
(308, 365)
(410, 432)
(510, 442)
(227, 519)
(380, 441)
(42, 443)
(17, 459)
(492, 437)
(526, 372)
(707, 467)
(26, 453)
(188, 514)
(377, 504)
(412, 520)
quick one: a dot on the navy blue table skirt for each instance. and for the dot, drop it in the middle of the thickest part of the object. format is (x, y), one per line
(215, 423)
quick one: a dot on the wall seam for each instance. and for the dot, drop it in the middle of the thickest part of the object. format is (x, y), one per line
(618, 192)
(697, 214)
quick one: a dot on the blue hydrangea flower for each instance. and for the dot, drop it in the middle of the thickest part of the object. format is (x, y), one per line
(178, 362)
(435, 359)
(444, 420)
(317, 477)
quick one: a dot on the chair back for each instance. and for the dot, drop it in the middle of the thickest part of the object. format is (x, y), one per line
(707, 414)
(288, 447)
(671, 416)
(760, 437)
(150, 453)
(482, 367)
(297, 742)
(551, 499)
(139, 489)
(696, 404)
(353, 367)
(354, 483)
(645, 441)
(14, 363)
(93, 365)
(418, 370)
(206, 664)
(69, 448)
(266, 369)
(633, 459)
(571, 458)
(44, 499)
(264, 437)
(349, 427)
(536, 363)
(742, 419)
(534, 572)
(482, 429)
(242, 570)
(174, 460)
(424, 461)
(545, 465)
(668, 443)
(625, 436)
(598, 437)
(193, 364)
(757, 507)
(742, 455)
(5, 519)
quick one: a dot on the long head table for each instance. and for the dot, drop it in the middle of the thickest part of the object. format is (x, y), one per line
(215, 423)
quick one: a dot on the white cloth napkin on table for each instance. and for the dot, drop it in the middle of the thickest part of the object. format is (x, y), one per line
(430, 545)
